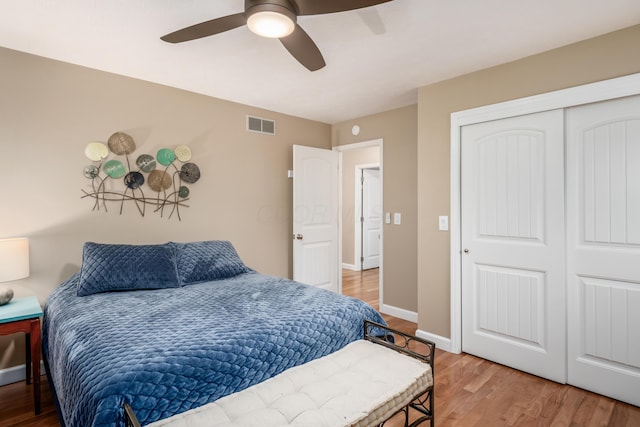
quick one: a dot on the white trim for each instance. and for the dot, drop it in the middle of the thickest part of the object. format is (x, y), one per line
(350, 267)
(593, 92)
(15, 374)
(357, 206)
(340, 148)
(339, 213)
(401, 313)
(442, 343)
(12, 375)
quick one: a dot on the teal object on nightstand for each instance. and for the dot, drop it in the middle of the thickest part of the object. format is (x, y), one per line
(19, 309)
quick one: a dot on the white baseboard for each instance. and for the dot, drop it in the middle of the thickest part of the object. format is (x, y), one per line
(350, 267)
(400, 313)
(12, 375)
(442, 343)
(15, 374)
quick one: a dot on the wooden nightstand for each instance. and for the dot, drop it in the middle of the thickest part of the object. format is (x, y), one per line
(23, 315)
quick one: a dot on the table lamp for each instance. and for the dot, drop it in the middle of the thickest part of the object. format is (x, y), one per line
(14, 264)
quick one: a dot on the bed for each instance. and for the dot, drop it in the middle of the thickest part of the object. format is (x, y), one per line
(168, 328)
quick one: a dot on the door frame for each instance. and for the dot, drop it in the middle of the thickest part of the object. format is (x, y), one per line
(564, 98)
(358, 145)
(358, 237)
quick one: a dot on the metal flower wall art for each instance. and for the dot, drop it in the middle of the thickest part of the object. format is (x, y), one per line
(157, 182)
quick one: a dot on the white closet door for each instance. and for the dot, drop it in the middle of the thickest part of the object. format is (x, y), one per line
(603, 242)
(513, 277)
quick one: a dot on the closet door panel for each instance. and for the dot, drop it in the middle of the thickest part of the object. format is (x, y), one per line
(603, 247)
(513, 277)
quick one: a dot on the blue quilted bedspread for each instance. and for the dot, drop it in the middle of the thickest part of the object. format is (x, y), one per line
(169, 350)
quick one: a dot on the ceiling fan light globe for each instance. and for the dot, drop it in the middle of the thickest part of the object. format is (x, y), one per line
(270, 24)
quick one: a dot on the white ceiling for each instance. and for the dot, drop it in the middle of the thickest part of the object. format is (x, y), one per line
(376, 57)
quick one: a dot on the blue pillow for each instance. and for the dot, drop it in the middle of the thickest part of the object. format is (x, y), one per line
(107, 267)
(209, 260)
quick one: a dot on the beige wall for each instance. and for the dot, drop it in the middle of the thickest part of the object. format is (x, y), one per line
(351, 159)
(398, 129)
(50, 110)
(612, 55)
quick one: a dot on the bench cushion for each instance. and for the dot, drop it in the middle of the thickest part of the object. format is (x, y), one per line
(362, 384)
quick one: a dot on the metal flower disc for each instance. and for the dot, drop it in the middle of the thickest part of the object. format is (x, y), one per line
(190, 173)
(183, 153)
(165, 156)
(91, 171)
(96, 151)
(146, 162)
(114, 168)
(183, 192)
(120, 143)
(133, 180)
(159, 180)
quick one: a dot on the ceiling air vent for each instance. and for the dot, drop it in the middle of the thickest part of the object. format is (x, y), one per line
(256, 124)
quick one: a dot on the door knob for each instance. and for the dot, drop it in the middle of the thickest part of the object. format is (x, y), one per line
(466, 251)
(299, 236)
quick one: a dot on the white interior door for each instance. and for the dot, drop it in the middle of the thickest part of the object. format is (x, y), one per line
(371, 218)
(315, 217)
(512, 231)
(603, 240)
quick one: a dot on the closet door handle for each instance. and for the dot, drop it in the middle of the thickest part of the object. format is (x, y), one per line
(466, 251)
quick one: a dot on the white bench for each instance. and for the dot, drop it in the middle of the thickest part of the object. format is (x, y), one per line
(363, 384)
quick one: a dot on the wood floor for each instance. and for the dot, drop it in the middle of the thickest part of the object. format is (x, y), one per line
(469, 391)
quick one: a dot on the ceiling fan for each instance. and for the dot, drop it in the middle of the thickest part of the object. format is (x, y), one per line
(275, 19)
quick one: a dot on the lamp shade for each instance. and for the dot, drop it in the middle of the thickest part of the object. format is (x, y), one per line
(14, 259)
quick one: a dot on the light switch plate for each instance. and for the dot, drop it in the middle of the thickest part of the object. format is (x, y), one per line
(397, 218)
(443, 223)
(387, 218)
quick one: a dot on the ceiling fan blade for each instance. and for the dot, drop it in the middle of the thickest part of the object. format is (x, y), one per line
(207, 28)
(316, 7)
(300, 45)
